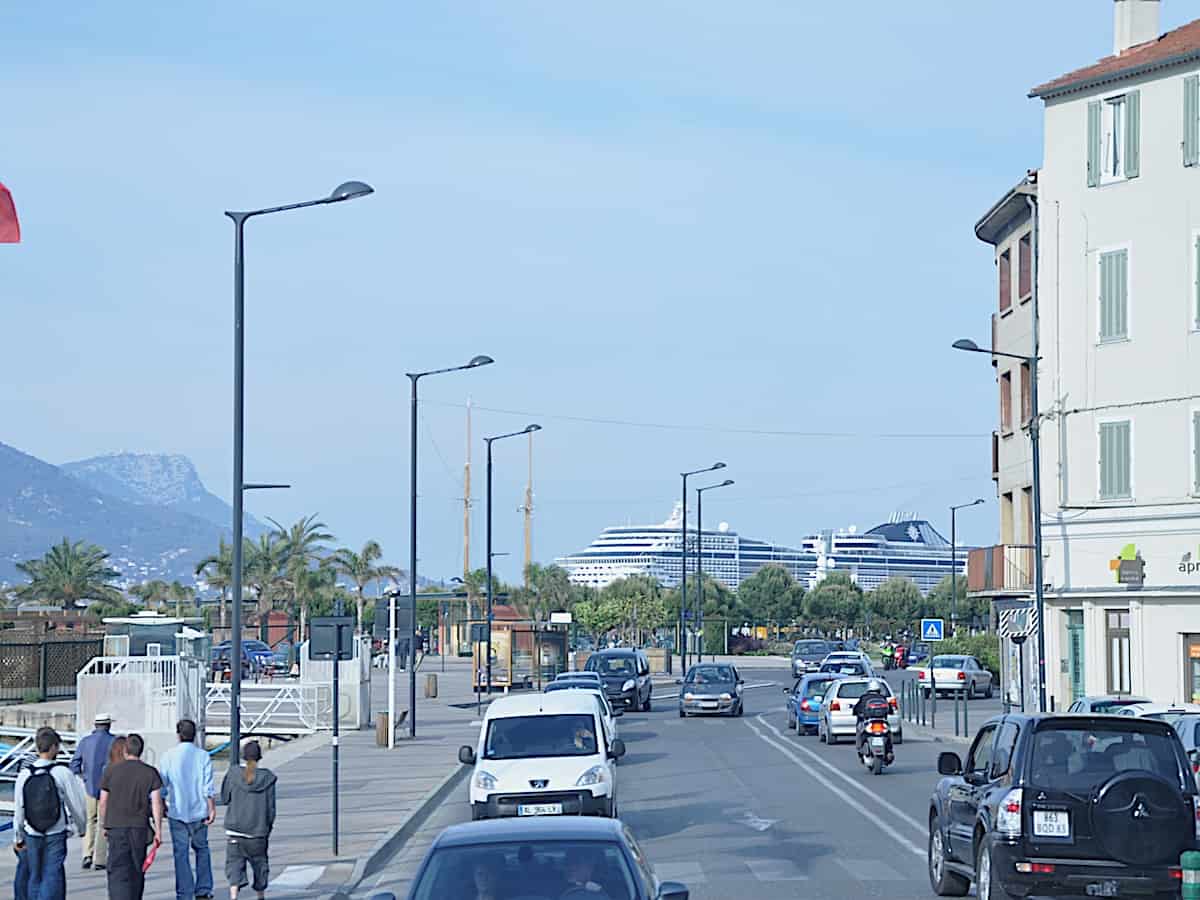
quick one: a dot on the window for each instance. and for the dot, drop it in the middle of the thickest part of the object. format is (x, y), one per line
(1006, 745)
(1191, 120)
(1006, 518)
(1112, 137)
(1114, 295)
(1196, 281)
(1117, 634)
(1114, 151)
(1116, 482)
(1025, 267)
(1006, 401)
(1027, 497)
(1026, 395)
(1005, 280)
(980, 757)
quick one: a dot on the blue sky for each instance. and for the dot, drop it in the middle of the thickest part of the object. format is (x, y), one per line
(751, 216)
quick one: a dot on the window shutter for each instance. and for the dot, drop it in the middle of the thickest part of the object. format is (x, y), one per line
(1115, 459)
(1191, 120)
(1093, 144)
(1114, 295)
(1133, 127)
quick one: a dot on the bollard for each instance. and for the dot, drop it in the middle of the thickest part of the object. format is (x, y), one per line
(1189, 861)
(956, 711)
(966, 726)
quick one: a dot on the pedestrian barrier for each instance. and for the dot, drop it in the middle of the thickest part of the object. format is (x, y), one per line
(282, 709)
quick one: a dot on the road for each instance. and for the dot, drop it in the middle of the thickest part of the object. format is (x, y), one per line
(730, 805)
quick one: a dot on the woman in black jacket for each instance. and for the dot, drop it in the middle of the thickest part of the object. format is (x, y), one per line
(249, 792)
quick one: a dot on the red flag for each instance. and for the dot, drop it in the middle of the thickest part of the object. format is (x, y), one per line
(10, 228)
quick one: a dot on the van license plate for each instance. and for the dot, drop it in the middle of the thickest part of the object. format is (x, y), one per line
(539, 809)
(1051, 824)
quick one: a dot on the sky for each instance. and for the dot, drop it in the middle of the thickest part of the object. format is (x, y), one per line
(686, 232)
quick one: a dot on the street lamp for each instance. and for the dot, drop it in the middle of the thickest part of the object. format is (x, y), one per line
(1035, 430)
(683, 564)
(954, 560)
(700, 554)
(345, 191)
(528, 429)
(413, 377)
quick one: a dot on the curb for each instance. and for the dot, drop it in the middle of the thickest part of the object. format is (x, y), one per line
(390, 843)
(925, 733)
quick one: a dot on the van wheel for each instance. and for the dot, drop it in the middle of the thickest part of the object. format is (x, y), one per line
(944, 882)
(646, 705)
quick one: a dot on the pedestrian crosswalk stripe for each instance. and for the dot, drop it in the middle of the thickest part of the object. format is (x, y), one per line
(776, 870)
(869, 870)
(689, 873)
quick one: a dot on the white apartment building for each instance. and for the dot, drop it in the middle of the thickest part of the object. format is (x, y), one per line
(1118, 308)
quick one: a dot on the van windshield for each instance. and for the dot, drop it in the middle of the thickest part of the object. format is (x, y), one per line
(521, 737)
(612, 665)
(810, 647)
(1078, 757)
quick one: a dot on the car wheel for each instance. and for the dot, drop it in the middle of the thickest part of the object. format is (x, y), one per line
(646, 705)
(927, 693)
(830, 737)
(987, 693)
(944, 882)
(971, 689)
(682, 714)
(792, 723)
(987, 876)
(820, 734)
(898, 737)
(740, 709)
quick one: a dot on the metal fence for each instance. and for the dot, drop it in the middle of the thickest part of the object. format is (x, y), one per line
(46, 669)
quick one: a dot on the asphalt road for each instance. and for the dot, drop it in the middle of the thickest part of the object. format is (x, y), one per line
(735, 805)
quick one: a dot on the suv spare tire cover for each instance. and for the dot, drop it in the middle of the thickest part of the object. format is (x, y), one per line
(1140, 818)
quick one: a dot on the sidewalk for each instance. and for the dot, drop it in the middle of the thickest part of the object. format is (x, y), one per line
(380, 790)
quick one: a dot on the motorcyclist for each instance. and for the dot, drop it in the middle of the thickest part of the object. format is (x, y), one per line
(873, 704)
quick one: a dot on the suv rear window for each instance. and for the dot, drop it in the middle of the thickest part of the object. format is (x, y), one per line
(1078, 757)
(612, 665)
(810, 647)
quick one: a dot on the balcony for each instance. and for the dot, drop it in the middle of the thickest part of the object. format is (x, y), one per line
(1000, 569)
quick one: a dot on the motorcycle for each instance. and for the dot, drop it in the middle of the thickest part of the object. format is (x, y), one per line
(901, 658)
(875, 745)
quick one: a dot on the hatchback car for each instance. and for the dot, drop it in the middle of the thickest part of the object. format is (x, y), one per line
(711, 689)
(539, 859)
(626, 675)
(836, 719)
(804, 700)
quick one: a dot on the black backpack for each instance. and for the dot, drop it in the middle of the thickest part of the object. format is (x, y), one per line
(42, 803)
(876, 707)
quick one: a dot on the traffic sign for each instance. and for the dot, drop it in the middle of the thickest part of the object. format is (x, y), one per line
(932, 629)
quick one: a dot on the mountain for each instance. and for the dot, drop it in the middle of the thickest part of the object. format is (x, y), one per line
(169, 481)
(40, 504)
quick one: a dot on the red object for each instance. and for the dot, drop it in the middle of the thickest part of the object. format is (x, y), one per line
(834, 706)
(1177, 874)
(153, 852)
(1042, 869)
(804, 705)
(892, 702)
(10, 228)
(962, 676)
(921, 674)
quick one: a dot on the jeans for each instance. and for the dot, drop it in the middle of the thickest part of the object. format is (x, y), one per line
(185, 837)
(21, 881)
(126, 854)
(95, 844)
(45, 857)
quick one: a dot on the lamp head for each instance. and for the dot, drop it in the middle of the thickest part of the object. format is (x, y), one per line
(349, 190)
(480, 361)
(726, 483)
(978, 502)
(716, 466)
(529, 429)
(966, 344)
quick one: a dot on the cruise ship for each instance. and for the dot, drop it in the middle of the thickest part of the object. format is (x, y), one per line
(904, 546)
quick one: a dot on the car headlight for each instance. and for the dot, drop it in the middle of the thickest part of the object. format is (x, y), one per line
(629, 685)
(594, 775)
(727, 697)
(689, 697)
(485, 781)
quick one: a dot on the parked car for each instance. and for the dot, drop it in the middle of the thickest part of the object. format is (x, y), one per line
(711, 689)
(1108, 703)
(260, 657)
(537, 858)
(807, 656)
(1064, 804)
(1157, 710)
(804, 700)
(918, 653)
(953, 673)
(626, 675)
(836, 716)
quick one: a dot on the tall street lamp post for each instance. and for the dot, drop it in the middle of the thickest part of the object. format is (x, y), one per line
(700, 557)
(1035, 430)
(346, 191)
(683, 555)
(413, 378)
(954, 560)
(528, 429)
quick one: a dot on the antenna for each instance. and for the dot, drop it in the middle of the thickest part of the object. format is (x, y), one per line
(528, 510)
(467, 501)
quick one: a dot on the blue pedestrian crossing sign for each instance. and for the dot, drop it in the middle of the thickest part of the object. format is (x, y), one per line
(932, 629)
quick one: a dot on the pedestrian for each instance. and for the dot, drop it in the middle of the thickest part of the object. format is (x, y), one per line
(249, 792)
(47, 803)
(130, 798)
(187, 775)
(116, 753)
(89, 761)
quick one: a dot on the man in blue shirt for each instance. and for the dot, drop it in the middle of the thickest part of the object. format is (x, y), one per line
(188, 790)
(91, 756)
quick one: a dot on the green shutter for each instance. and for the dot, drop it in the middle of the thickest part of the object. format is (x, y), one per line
(1133, 128)
(1115, 458)
(1191, 120)
(1114, 295)
(1093, 144)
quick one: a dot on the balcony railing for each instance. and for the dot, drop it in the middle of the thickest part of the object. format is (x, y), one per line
(1005, 567)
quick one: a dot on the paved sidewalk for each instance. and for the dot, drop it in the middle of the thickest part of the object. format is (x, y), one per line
(380, 790)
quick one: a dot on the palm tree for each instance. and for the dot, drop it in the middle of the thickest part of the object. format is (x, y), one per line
(153, 594)
(217, 571)
(311, 586)
(305, 542)
(361, 569)
(265, 563)
(69, 573)
(181, 594)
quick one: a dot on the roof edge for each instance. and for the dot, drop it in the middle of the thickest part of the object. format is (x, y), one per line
(1044, 92)
(992, 223)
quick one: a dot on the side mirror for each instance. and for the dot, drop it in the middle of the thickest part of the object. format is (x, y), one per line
(787, 692)
(672, 890)
(617, 750)
(949, 764)
(466, 755)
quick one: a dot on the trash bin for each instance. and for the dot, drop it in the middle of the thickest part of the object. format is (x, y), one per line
(381, 729)
(431, 684)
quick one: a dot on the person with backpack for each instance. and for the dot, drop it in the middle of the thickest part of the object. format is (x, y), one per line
(249, 792)
(88, 762)
(47, 802)
(130, 796)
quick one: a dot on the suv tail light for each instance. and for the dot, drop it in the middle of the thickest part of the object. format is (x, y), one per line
(1035, 868)
(1196, 815)
(962, 676)
(1008, 816)
(835, 706)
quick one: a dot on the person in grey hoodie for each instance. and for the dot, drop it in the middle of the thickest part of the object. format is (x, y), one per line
(249, 792)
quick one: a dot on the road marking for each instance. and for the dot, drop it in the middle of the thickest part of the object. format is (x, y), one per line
(846, 798)
(298, 877)
(776, 870)
(688, 872)
(921, 827)
(752, 821)
(869, 870)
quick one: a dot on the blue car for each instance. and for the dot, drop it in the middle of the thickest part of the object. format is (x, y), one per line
(804, 700)
(918, 653)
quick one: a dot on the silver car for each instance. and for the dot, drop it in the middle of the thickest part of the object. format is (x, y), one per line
(1106, 704)
(952, 673)
(837, 719)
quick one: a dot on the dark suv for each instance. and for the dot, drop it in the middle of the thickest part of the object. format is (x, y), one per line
(1100, 806)
(626, 675)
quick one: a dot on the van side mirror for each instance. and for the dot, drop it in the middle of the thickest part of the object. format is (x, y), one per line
(617, 750)
(672, 890)
(949, 764)
(618, 712)
(466, 755)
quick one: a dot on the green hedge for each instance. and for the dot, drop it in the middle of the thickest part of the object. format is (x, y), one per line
(984, 647)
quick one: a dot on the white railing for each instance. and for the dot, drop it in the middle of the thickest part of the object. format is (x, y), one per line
(166, 668)
(292, 708)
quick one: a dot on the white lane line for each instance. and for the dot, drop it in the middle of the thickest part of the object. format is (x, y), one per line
(845, 797)
(776, 870)
(921, 827)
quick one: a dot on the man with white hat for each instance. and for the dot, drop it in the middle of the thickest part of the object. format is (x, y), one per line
(91, 756)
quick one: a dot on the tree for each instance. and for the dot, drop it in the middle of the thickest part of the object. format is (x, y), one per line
(942, 603)
(836, 602)
(153, 594)
(634, 605)
(549, 591)
(361, 569)
(263, 564)
(305, 542)
(69, 573)
(217, 571)
(770, 595)
(895, 604)
(181, 594)
(111, 609)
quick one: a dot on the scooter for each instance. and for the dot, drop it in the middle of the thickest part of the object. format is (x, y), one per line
(901, 658)
(875, 749)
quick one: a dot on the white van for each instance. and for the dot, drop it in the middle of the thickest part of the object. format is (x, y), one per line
(543, 755)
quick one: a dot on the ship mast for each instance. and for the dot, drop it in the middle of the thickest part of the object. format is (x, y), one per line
(528, 510)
